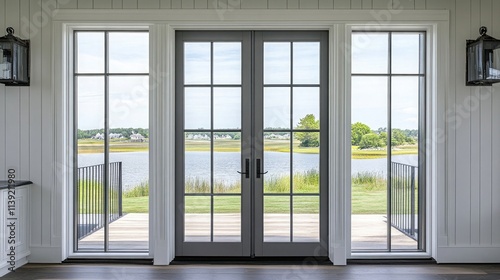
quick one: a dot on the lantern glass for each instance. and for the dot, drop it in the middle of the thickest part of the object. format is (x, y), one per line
(6, 61)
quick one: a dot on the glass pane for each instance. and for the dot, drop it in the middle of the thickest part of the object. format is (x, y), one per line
(277, 63)
(276, 218)
(129, 162)
(227, 218)
(90, 52)
(227, 63)
(197, 162)
(128, 52)
(197, 63)
(306, 63)
(404, 203)
(197, 108)
(197, 218)
(405, 53)
(370, 53)
(306, 162)
(369, 163)
(227, 108)
(90, 194)
(227, 161)
(306, 108)
(305, 219)
(277, 108)
(277, 162)
(369, 102)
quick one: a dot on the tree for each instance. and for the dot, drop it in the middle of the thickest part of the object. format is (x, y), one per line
(370, 140)
(357, 131)
(308, 139)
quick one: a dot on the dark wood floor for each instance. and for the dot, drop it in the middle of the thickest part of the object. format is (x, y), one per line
(256, 272)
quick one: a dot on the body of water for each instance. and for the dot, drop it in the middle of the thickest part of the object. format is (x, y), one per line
(136, 165)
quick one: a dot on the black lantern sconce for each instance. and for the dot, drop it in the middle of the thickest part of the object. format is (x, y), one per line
(483, 60)
(14, 60)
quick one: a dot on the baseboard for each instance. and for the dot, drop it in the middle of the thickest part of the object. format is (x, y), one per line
(41, 254)
(4, 269)
(468, 255)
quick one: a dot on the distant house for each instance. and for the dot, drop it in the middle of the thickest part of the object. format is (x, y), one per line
(136, 137)
(98, 136)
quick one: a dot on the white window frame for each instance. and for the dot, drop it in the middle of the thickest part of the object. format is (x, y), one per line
(162, 25)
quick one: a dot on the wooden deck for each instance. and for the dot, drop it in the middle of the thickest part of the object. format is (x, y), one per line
(131, 232)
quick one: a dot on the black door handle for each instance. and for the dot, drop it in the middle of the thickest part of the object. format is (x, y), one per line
(258, 169)
(247, 168)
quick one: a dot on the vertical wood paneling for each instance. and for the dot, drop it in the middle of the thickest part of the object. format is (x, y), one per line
(149, 4)
(65, 4)
(176, 4)
(438, 5)
(36, 127)
(341, 4)
(254, 4)
(308, 4)
(85, 4)
(24, 112)
(367, 4)
(293, 4)
(382, 4)
(356, 4)
(225, 4)
(475, 136)
(463, 135)
(448, 229)
(404, 4)
(483, 198)
(117, 4)
(47, 139)
(129, 4)
(103, 4)
(495, 139)
(165, 4)
(3, 105)
(325, 4)
(187, 4)
(201, 4)
(277, 4)
(13, 122)
(419, 4)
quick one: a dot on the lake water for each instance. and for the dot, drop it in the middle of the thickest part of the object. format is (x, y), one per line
(136, 166)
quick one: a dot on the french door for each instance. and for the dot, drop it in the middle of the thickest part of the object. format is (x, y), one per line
(251, 138)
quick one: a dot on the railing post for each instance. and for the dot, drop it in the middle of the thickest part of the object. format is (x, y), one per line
(412, 200)
(120, 208)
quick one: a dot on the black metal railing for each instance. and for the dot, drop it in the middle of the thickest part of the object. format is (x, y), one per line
(404, 198)
(90, 197)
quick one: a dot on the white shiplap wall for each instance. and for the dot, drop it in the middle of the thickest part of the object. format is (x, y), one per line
(473, 117)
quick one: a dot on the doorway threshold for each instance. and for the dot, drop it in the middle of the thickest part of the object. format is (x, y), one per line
(252, 261)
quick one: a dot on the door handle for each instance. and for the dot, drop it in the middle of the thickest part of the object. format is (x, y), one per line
(258, 169)
(247, 168)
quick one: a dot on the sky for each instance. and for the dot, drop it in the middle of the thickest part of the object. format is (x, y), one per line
(129, 102)
(128, 53)
(369, 95)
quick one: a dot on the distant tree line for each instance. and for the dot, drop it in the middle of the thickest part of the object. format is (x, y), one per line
(366, 138)
(125, 132)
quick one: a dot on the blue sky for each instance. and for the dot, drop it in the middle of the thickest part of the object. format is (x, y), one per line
(129, 95)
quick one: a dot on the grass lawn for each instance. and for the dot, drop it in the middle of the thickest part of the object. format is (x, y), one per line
(363, 202)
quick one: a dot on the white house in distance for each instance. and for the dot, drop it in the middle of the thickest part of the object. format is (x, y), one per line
(229, 47)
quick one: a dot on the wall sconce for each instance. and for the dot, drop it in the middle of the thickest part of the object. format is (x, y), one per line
(483, 60)
(14, 60)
